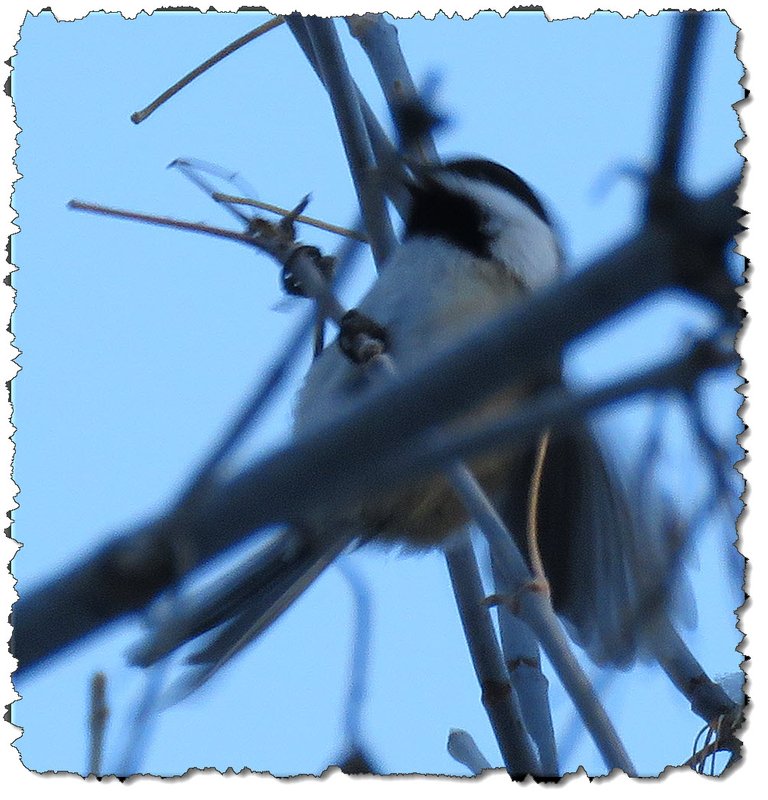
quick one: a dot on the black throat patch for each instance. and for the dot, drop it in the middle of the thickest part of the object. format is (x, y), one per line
(437, 211)
(456, 218)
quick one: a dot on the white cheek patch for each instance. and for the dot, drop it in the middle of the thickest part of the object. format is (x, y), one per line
(528, 248)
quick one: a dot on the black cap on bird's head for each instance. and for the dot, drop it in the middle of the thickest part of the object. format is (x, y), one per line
(468, 202)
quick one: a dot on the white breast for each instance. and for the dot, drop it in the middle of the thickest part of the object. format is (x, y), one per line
(429, 294)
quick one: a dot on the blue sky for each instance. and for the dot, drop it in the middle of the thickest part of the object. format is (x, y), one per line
(139, 343)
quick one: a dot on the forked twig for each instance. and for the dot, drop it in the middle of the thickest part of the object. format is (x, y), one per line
(313, 221)
(140, 116)
(718, 738)
(165, 222)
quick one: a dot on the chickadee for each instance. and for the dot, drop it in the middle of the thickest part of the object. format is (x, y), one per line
(477, 240)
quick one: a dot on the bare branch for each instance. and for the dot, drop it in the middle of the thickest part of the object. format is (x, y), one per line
(285, 251)
(357, 687)
(166, 222)
(532, 601)
(678, 99)
(140, 116)
(390, 170)
(521, 655)
(462, 747)
(708, 699)
(498, 697)
(343, 94)
(379, 39)
(144, 719)
(97, 723)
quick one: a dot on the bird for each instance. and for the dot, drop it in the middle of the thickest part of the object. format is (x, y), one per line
(477, 239)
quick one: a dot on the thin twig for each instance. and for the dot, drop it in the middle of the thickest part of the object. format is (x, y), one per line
(277, 247)
(719, 461)
(532, 527)
(140, 116)
(97, 723)
(715, 741)
(167, 222)
(192, 172)
(314, 222)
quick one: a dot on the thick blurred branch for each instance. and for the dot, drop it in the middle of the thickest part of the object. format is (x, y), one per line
(679, 97)
(127, 572)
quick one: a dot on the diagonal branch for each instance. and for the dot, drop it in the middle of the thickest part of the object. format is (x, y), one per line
(535, 608)
(349, 117)
(140, 116)
(129, 570)
(679, 97)
(379, 39)
(498, 696)
(523, 660)
(388, 161)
